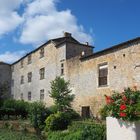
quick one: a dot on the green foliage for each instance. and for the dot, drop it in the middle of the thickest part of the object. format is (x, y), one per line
(80, 131)
(57, 121)
(13, 135)
(60, 120)
(59, 135)
(60, 92)
(14, 108)
(124, 105)
(37, 115)
(53, 109)
(104, 112)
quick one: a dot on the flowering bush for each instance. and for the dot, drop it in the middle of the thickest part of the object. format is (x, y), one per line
(125, 105)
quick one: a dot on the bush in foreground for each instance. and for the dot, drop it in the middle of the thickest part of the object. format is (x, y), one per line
(14, 108)
(60, 120)
(37, 115)
(80, 131)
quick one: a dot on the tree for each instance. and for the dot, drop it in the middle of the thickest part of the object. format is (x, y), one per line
(60, 92)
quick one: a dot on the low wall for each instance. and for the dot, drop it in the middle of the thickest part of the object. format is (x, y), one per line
(122, 130)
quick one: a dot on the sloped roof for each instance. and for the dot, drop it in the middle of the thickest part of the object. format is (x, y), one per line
(112, 49)
(57, 41)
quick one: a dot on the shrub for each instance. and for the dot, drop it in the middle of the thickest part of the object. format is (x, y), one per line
(104, 112)
(80, 131)
(60, 120)
(53, 109)
(14, 108)
(37, 115)
(124, 105)
(57, 121)
(59, 135)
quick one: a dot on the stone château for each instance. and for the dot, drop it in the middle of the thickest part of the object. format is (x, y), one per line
(91, 74)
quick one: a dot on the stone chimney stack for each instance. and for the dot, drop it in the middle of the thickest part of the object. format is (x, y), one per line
(66, 34)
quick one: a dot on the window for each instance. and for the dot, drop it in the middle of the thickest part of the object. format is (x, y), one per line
(29, 96)
(62, 68)
(42, 95)
(21, 96)
(42, 73)
(22, 80)
(41, 52)
(85, 112)
(103, 75)
(21, 64)
(29, 59)
(29, 77)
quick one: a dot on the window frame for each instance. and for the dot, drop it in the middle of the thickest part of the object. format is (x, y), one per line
(99, 82)
(42, 91)
(29, 75)
(29, 96)
(62, 69)
(42, 73)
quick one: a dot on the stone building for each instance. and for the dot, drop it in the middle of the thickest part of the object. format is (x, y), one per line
(5, 80)
(91, 75)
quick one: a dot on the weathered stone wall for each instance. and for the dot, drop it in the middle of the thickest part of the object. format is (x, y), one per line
(50, 62)
(123, 71)
(5, 75)
(83, 75)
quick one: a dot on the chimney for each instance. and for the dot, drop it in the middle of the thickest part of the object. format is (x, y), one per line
(66, 34)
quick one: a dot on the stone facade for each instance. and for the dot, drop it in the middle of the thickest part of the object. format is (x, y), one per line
(81, 67)
(5, 77)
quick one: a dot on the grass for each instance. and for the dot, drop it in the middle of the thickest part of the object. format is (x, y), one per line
(14, 135)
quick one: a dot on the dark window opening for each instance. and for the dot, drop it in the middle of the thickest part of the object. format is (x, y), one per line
(85, 112)
(103, 75)
(29, 96)
(62, 68)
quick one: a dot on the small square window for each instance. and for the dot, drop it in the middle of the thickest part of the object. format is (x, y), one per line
(29, 96)
(42, 95)
(62, 68)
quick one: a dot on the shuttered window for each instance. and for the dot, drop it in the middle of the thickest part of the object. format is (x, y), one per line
(103, 75)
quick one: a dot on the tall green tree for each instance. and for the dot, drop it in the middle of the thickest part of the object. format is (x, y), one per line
(61, 94)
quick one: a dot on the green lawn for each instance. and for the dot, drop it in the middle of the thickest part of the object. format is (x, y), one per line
(13, 135)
